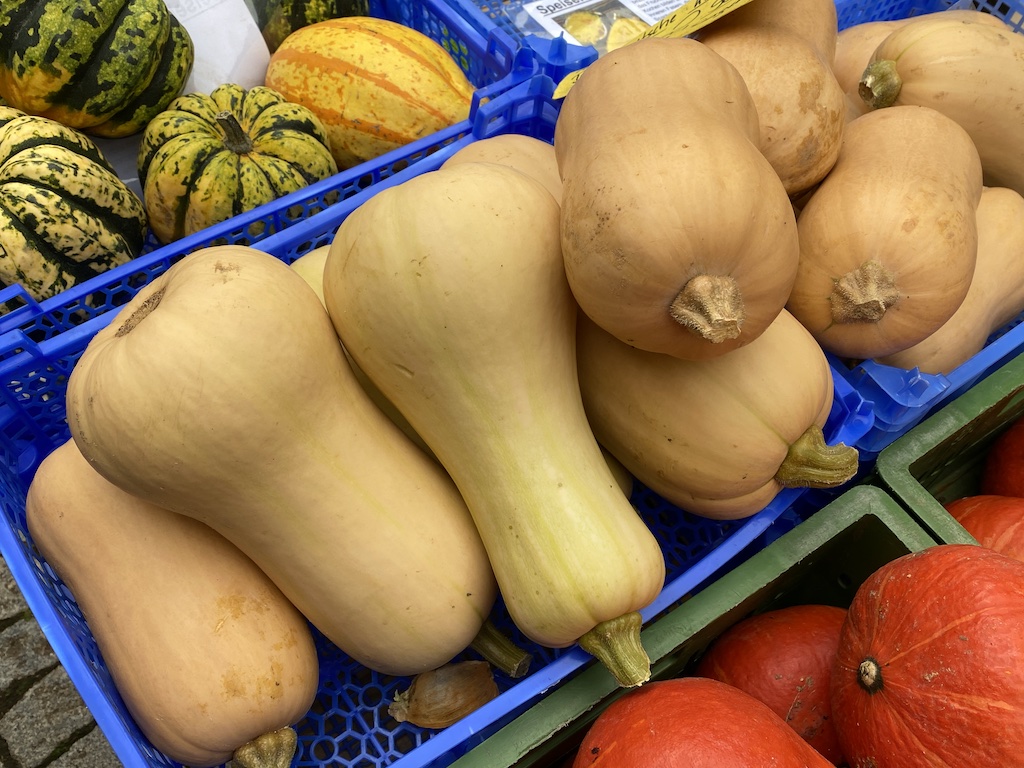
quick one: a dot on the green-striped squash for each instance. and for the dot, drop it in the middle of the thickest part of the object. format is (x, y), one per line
(65, 216)
(104, 67)
(209, 157)
(279, 18)
(376, 85)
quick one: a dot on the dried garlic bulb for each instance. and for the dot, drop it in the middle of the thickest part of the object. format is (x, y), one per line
(438, 698)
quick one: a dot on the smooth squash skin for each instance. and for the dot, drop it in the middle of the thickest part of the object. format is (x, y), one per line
(994, 298)
(677, 234)
(532, 156)
(815, 21)
(221, 391)
(449, 292)
(205, 651)
(692, 722)
(968, 69)
(888, 241)
(719, 438)
(800, 105)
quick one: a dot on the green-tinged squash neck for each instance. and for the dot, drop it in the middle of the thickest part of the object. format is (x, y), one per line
(616, 644)
(880, 84)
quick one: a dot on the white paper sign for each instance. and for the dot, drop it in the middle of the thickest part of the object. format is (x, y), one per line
(228, 45)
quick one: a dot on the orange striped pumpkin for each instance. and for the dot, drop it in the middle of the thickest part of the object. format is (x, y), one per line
(375, 84)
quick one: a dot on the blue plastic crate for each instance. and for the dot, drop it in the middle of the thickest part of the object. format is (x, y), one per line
(348, 724)
(492, 61)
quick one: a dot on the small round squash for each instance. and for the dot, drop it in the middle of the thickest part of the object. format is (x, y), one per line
(105, 70)
(65, 216)
(209, 157)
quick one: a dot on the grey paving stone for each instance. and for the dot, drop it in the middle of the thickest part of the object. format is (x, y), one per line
(91, 751)
(47, 716)
(11, 601)
(24, 652)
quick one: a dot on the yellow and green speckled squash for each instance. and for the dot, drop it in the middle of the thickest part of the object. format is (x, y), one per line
(376, 85)
(65, 216)
(105, 67)
(209, 157)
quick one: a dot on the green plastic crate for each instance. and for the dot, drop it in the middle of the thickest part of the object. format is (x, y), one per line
(941, 459)
(823, 560)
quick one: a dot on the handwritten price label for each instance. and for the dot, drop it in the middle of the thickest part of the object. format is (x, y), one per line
(681, 22)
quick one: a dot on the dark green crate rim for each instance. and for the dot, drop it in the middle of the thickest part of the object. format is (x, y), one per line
(997, 399)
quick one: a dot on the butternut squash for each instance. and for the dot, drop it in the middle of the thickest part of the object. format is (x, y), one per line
(994, 298)
(528, 154)
(220, 391)
(722, 437)
(206, 653)
(449, 292)
(814, 21)
(969, 69)
(677, 234)
(888, 241)
(801, 107)
(856, 45)
(311, 266)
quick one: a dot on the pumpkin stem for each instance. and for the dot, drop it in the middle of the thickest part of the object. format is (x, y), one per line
(616, 644)
(880, 84)
(235, 137)
(869, 675)
(711, 306)
(497, 648)
(863, 295)
(812, 463)
(269, 750)
(148, 305)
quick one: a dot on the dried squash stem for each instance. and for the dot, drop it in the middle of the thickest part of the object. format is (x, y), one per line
(812, 463)
(616, 644)
(271, 750)
(235, 137)
(880, 84)
(864, 295)
(710, 306)
(497, 648)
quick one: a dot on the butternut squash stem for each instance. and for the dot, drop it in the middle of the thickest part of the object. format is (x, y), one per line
(270, 750)
(880, 84)
(710, 306)
(864, 294)
(616, 644)
(235, 138)
(497, 648)
(812, 463)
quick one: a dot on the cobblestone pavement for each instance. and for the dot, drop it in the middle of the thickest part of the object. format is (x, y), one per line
(43, 721)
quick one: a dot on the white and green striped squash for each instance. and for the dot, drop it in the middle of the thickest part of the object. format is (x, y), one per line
(65, 216)
(210, 157)
(105, 67)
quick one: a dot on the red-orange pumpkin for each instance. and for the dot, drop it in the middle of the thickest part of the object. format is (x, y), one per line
(692, 722)
(997, 522)
(928, 673)
(784, 658)
(1003, 471)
